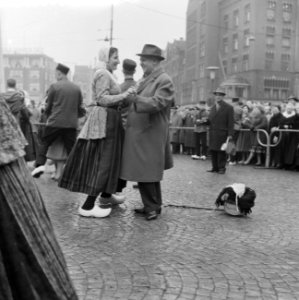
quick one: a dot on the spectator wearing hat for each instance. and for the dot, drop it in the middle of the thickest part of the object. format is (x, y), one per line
(200, 132)
(63, 109)
(237, 126)
(221, 121)
(147, 151)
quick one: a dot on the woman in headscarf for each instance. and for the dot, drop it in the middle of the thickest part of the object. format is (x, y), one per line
(32, 265)
(93, 166)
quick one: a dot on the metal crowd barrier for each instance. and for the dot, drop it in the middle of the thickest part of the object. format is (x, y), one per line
(268, 138)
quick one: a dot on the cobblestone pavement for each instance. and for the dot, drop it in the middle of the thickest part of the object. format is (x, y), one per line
(187, 253)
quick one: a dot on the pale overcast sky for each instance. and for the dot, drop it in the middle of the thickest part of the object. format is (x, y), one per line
(68, 30)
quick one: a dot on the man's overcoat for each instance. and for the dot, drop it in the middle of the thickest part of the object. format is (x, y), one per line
(147, 151)
(221, 123)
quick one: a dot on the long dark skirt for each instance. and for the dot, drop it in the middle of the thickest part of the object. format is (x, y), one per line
(93, 166)
(31, 262)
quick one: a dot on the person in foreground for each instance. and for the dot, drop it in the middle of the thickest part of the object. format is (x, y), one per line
(94, 164)
(32, 265)
(146, 152)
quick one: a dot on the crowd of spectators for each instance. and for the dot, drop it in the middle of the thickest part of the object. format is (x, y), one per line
(189, 135)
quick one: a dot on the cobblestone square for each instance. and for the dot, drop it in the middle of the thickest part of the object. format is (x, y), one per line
(192, 251)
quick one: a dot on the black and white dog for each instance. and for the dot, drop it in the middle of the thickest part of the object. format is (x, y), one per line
(237, 199)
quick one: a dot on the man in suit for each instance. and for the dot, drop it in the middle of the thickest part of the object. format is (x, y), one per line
(221, 121)
(63, 109)
(146, 152)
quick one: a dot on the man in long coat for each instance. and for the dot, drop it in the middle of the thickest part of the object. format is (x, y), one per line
(221, 121)
(147, 151)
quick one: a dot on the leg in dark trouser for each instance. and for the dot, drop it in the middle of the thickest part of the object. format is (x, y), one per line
(151, 196)
(221, 160)
(203, 143)
(69, 136)
(214, 158)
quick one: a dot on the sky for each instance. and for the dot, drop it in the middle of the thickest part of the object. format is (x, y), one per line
(73, 31)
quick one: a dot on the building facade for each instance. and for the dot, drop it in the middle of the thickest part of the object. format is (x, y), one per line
(83, 77)
(247, 46)
(174, 66)
(34, 73)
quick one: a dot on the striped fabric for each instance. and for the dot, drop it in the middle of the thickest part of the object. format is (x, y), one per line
(31, 262)
(93, 166)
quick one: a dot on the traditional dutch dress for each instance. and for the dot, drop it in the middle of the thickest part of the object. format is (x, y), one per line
(32, 265)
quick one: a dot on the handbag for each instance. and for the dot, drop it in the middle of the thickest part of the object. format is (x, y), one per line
(229, 147)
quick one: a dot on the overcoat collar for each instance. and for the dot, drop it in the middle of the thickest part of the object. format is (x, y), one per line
(150, 78)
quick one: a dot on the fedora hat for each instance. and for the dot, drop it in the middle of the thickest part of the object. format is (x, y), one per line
(151, 51)
(220, 91)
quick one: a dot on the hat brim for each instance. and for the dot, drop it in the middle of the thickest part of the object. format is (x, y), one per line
(219, 93)
(152, 56)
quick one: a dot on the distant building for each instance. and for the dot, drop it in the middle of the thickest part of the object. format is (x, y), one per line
(33, 72)
(253, 43)
(83, 77)
(174, 66)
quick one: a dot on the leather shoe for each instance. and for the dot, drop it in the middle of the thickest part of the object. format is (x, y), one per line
(221, 171)
(212, 171)
(142, 211)
(152, 215)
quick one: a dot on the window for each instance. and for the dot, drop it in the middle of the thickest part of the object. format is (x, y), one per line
(202, 49)
(270, 40)
(285, 57)
(275, 94)
(287, 7)
(201, 93)
(286, 31)
(225, 45)
(245, 63)
(203, 10)
(234, 65)
(270, 55)
(34, 87)
(236, 18)
(267, 93)
(269, 65)
(285, 66)
(16, 74)
(270, 15)
(202, 71)
(235, 42)
(284, 94)
(247, 14)
(286, 42)
(225, 22)
(224, 64)
(270, 30)
(272, 4)
(286, 16)
(246, 38)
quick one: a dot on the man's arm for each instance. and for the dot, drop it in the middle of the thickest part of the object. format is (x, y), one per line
(49, 101)
(163, 97)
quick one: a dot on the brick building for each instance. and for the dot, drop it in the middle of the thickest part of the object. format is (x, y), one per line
(174, 66)
(247, 46)
(33, 72)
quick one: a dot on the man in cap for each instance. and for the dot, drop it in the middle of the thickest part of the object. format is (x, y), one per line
(147, 151)
(63, 109)
(221, 121)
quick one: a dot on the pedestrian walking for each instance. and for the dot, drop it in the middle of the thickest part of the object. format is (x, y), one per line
(32, 265)
(63, 109)
(221, 122)
(93, 167)
(147, 151)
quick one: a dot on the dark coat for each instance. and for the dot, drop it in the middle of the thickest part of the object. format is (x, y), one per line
(147, 151)
(221, 125)
(64, 105)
